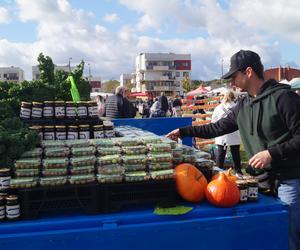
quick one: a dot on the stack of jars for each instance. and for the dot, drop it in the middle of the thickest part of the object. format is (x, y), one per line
(58, 110)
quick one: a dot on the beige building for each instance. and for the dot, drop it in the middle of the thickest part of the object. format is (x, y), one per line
(12, 74)
(161, 72)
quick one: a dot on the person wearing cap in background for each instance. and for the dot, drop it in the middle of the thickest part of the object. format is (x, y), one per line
(268, 119)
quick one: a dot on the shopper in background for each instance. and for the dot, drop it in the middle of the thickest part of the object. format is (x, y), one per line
(100, 105)
(231, 140)
(118, 106)
(176, 110)
(268, 119)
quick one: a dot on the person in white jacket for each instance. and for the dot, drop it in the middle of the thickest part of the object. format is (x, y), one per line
(232, 140)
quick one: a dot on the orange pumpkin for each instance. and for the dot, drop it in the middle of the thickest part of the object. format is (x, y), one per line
(228, 174)
(190, 182)
(222, 192)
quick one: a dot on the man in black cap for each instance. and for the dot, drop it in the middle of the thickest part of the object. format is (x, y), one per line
(268, 119)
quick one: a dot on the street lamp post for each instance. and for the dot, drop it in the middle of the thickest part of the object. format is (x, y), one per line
(70, 58)
(222, 63)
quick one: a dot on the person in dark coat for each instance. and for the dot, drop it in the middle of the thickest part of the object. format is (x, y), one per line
(164, 104)
(118, 106)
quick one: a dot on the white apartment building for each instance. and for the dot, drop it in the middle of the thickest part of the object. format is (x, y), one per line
(161, 72)
(126, 79)
(36, 72)
(12, 74)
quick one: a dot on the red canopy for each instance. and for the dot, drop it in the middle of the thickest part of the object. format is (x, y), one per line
(199, 91)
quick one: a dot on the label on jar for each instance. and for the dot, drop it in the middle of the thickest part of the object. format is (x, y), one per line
(4, 182)
(49, 136)
(25, 113)
(72, 135)
(98, 134)
(252, 193)
(60, 111)
(36, 112)
(2, 212)
(243, 195)
(109, 133)
(61, 135)
(82, 111)
(93, 111)
(48, 112)
(12, 212)
(71, 111)
(84, 134)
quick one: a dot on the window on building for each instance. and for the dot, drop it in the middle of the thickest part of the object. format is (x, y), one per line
(177, 74)
(185, 74)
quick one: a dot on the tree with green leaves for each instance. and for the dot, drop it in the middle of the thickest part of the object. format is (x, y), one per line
(186, 83)
(110, 86)
(46, 67)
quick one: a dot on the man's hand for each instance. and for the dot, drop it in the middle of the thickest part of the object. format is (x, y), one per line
(261, 159)
(174, 135)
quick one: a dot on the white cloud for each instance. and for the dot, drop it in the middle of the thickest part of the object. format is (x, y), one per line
(111, 18)
(64, 32)
(4, 15)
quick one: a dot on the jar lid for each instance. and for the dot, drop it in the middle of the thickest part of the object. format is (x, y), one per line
(84, 126)
(49, 126)
(69, 102)
(48, 102)
(12, 197)
(59, 102)
(35, 127)
(37, 103)
(26, 103)
(241, 182)
(4, 170)
(98, 126)
(73, 127)
(60, 126)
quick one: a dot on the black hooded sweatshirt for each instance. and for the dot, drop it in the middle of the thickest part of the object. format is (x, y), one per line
(271, 121)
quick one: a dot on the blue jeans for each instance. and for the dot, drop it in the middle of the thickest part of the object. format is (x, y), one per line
(289, 192)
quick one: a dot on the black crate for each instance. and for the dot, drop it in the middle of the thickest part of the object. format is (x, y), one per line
(115, 196)
(35, 202)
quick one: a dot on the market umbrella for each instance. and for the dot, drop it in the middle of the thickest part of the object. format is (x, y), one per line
(199, 91)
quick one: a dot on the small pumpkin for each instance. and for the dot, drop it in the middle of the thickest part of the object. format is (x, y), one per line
(222, 192)
(229, 175)
(190, 182)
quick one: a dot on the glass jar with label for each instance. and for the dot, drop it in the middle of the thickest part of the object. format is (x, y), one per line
(71, 110)
(59, 109)
(60, 132)
(2, 208)
(108, 129)
(4, 180)
(243, 187)
(72, 133)
(98, 131)
(12, 207)
(37, 110)
(48, 110)
(93, 109)
(25, 111)
(38, 130)
(252, 189)
(82, 110)
(49, 133)
(84, 131)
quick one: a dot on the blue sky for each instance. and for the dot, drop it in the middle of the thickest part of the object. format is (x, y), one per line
(108, 34)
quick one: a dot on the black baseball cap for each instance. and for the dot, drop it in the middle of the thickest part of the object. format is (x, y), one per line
(241, 60)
